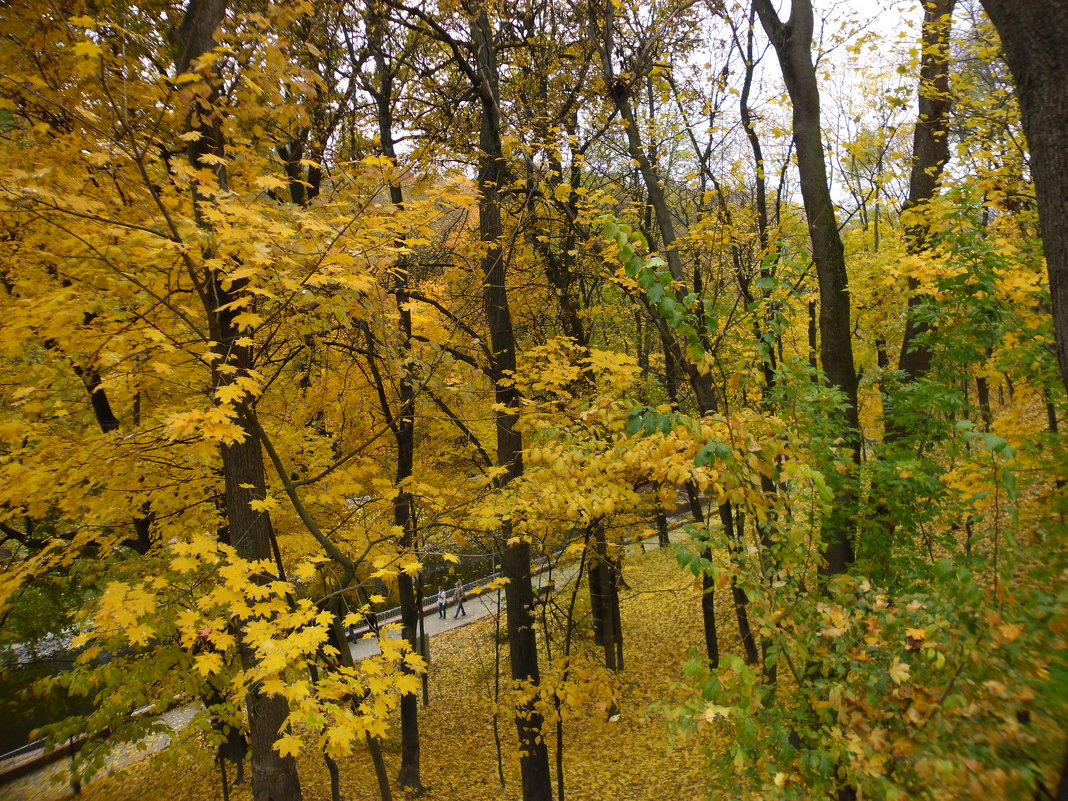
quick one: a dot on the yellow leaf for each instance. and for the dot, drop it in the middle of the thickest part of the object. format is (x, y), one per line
(288, 746)
(208, 663)
(247, 320)
(899, 671)
(87, 49)
(274, 686)
(268, 182)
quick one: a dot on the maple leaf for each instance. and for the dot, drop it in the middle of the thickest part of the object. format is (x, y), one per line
(208, 663)
(899, 671)
(289, 745)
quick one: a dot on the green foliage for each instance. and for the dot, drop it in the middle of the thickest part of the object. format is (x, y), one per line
(898, 695)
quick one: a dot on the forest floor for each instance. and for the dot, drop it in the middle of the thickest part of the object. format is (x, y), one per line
(635, 758)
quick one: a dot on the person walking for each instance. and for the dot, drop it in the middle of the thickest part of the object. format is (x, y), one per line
(442, 600)
(458, 596)
(371, 619)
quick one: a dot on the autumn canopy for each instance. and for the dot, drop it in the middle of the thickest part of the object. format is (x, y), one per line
(311, 310)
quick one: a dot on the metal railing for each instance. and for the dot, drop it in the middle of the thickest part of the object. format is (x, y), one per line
(22, 750)
(537, 566)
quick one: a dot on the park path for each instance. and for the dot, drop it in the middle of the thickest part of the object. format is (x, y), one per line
(51, 783)
(484, 604)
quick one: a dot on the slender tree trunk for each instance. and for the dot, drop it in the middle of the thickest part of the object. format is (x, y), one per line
(515, 559)
(708, 587)
(617, 612)
(792, 41)
(596, 582)
(403, 422)
(274, 778)
(1033, 35)
(930, 152)
(374, 745)
(662, 537)
(741, 600)
(606, 599)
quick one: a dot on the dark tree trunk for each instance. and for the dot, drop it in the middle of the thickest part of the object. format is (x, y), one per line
(403, 422)
(701, 383)
(374, 746)
(930, 152)
(606, 598)
(662, 537)
(792, 41)
(274, 778)
(515, 559)
(617, 612)
(708, 587)
(1033, 35)
(596, 582)
(741, 600)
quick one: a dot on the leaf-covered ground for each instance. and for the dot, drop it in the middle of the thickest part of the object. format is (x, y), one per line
(635, 758)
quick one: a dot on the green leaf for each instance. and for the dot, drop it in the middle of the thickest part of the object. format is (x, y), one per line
(765, 283)
(649, 423)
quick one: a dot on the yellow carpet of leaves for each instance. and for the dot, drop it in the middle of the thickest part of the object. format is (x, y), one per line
(636, 758)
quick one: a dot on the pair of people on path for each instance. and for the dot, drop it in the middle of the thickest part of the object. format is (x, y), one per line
(458, 598)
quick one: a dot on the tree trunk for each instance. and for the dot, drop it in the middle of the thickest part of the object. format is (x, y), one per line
(1033, 35)
(274, 778)
(792, 41)
(930, 152)
(403, 422)
(741, 600)
(374, 745)
(708, 587)
(515, 559)
(606, 600)
(662, 535)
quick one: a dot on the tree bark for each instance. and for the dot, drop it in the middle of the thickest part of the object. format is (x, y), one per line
(403, 422)
(274, 777)
(930, 152)
(792, 41)
(708, 586)
(515, 559)
(1033, 35)
(606, 598)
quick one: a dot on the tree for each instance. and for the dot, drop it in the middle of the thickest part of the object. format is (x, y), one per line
(793, 41)
(1033, 35)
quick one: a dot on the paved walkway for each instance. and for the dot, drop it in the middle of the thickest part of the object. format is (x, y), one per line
(476, 607)
(49, 784)
(485, 604)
